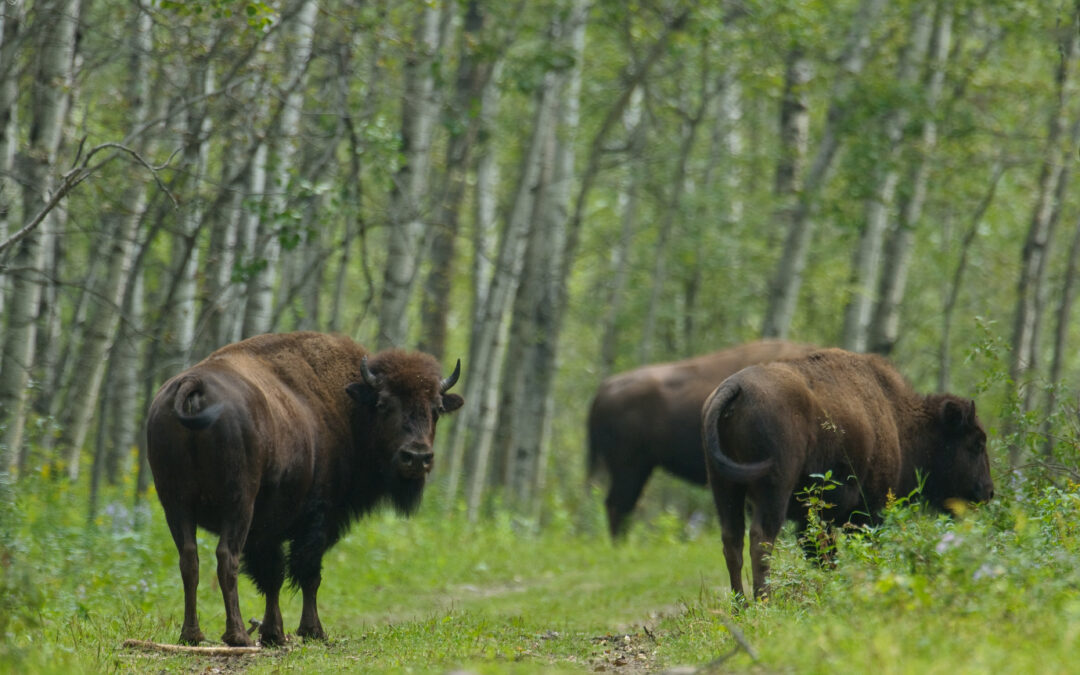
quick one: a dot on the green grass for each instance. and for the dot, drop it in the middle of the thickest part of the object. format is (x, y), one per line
(996, 589)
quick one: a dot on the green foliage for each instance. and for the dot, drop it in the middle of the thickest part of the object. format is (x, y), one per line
(259, 15)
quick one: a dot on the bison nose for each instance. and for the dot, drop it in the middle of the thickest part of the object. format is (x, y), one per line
(417, 459)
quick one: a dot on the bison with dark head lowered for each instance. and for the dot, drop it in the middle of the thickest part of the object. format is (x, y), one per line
(769, 428)
(651, 416)
(288, 438)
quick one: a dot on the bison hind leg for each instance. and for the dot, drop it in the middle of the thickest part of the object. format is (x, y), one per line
(627, 483)
(305, 571)
(181, 523)
(770, 511)
(730, 500)
(265, 564)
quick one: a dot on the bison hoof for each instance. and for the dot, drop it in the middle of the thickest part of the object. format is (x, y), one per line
(272, 638)
(191, 637)
(311, 633)
(237, 639)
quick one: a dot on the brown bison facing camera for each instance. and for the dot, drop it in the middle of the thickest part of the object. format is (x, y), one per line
(769, 428)
(651, 416)
(288, 437)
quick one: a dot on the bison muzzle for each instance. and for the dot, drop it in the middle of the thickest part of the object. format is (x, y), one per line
(288, 438)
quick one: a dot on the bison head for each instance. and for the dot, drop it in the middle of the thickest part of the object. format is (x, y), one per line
(401, 396)
(960, 468)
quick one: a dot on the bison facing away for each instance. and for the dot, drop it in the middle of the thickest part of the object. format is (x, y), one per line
(769, 428)
(651, 416)
(288, 438)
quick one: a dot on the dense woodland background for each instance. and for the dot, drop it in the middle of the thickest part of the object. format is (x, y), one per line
(549, 190)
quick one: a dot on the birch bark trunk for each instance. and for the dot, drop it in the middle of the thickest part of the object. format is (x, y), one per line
(185, 249)
(81, 392)
(787, 279)
(488, 340)
(419, 109)
(1061, 336)
(11, 16)
(472, 79)
(866, 266)
(885, 325)
(672, 214)
(49, 104)
(526, 469)
(628, 205)
(1031, 283)
(259, 310)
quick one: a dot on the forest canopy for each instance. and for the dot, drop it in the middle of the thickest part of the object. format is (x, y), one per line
(550, 191)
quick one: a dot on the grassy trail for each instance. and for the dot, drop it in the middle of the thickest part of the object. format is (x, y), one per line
(995, 590)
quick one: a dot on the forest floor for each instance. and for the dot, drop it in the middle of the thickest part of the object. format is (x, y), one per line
(996, 589)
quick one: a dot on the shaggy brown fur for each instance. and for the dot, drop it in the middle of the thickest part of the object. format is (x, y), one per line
(288, 437)
(651, 416)
(768, 428)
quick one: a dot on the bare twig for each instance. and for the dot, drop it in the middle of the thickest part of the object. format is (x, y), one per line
(190, 649)
(740, 641)
(80, 171)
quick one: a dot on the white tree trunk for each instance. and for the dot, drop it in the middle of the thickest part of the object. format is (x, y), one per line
(81, 393)
(787, 279)
(866, 266)
(487, 343)
(185, 248)
(49, 109)
(10, 197)
(259, 311)
(126, 358)
(484, 235)
(419, 111)
(1031, 281)
(628, 204)
(526, 450)
(885, 326)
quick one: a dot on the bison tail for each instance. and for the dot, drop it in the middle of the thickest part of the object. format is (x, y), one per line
(715, 406)
(190, 406)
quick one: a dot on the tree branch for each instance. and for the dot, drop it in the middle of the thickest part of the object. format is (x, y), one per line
(80, 171)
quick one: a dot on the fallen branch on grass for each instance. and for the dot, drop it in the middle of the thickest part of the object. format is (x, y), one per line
(190, 649)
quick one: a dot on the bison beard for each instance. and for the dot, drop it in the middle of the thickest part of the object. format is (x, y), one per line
(404, 493)
(769, 429)
(287, 439)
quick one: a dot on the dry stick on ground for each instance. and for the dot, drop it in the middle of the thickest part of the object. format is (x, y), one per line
(740, 641)
(189, 649)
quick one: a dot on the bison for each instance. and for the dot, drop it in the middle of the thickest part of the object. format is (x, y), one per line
(651, 416)
(770, 428)
(288, 438)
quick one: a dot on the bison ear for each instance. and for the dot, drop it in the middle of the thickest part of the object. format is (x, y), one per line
(362, 393)
(451, 402)
(957, 414)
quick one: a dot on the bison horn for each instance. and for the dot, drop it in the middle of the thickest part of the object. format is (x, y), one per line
(365, 371)
(449, 381)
